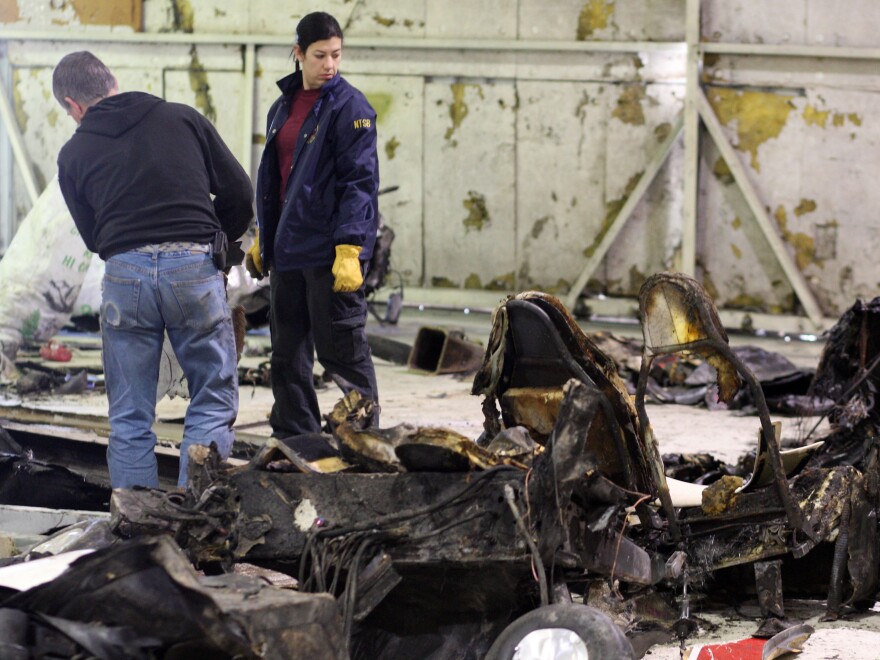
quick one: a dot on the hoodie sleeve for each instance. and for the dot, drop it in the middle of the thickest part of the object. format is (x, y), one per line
(83, 214)
(230, 184)
(357, 173)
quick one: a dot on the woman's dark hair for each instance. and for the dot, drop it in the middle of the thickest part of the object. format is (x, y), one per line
(313, 27)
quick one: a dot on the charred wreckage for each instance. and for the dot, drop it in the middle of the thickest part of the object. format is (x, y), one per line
(561, 518)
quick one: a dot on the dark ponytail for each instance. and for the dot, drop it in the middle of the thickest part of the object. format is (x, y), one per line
(313, 27)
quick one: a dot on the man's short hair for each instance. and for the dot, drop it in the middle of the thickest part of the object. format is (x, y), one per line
(82, 77)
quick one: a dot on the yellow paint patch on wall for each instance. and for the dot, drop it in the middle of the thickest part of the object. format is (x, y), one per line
(561, 287)
(391, 147)
(662, 131)
(184, 17)
(198, 82)
(108, 12)
(382, 20)
(478, 214)
(805, 206)
(816, 117)
(538, 226)
(746, 301)
(381, 103)
(442, 282)
(759, 116)
(629, 105)
(722, 172)
(737, 223)
(840, 118)
(21, 117)
(595, 15)
(458, 109)
(473, 281)
(736, 251)
(9, 11)
(804, 245)
(52, 118)
(613, 209)
(503, 282)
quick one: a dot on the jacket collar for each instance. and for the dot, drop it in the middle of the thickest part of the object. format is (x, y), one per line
(290, 83)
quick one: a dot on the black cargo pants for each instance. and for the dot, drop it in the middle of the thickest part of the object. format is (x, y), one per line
(307, 317)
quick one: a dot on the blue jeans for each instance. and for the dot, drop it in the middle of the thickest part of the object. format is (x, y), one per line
(145, 294)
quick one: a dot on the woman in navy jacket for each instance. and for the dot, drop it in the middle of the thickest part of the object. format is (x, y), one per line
(317, 218)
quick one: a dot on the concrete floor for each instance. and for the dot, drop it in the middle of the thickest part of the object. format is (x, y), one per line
(433, 400)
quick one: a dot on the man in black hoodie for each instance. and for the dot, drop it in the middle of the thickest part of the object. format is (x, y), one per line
(150, 184)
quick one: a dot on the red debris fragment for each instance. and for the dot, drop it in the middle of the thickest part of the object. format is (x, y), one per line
(55, 352)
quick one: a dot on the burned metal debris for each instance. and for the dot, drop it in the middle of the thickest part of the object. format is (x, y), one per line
(565, 492)
(142, 599)
(561, 515)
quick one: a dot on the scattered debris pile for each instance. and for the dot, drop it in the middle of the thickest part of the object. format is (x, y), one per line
(421, 542)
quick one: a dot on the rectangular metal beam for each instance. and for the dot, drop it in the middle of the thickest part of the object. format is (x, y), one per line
(792, 51)
(13, 134)
(396, 43)
(247, 110)
(690, 214)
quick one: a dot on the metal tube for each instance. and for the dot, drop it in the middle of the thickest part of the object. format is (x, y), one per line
(396, 43)
(691, 141)
(247, 111)
(18, 148)
(792, 51)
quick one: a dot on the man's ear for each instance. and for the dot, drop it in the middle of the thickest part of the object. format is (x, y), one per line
(74, 109)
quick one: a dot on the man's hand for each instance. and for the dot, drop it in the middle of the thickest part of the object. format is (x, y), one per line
(253, 262)
(347, 269)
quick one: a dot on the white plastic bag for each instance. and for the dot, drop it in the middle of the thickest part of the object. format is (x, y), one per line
(40, 275)
(41, 279)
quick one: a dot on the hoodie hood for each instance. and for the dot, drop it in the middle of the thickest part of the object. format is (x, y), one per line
(116, 114)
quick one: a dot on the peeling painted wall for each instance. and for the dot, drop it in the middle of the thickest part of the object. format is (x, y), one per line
(805, 130)
(512, 165)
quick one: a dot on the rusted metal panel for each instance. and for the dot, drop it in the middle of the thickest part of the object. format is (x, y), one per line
(791, 22)
(793, 145)
(560, 163)
(639, 118)
(741, 21)
(470, 214)
(641, 20)
(491, 19)
(399, 104)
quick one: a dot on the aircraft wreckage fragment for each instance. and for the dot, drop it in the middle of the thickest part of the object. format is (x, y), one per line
(564, 491)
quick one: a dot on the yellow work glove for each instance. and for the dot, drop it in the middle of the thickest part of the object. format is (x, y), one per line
(253, 262)
(347, 269)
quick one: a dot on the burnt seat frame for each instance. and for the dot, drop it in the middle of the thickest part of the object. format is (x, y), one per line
(715, 340)
(541, 352)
